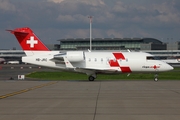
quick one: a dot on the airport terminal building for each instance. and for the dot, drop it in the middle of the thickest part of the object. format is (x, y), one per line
(11, 55)
(149, 45)
(112, 44)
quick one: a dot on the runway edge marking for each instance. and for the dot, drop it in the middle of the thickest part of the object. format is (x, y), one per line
(26, 90)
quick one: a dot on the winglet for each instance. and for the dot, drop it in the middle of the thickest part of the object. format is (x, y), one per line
(67, 63)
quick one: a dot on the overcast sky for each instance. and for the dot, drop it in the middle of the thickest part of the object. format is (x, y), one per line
(57, 19)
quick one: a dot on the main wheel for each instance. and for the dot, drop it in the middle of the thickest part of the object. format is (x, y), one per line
(91, 78)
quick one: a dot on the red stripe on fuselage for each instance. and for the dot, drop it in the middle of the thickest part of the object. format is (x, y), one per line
(119, 56)
(125, 69)
(114, 63)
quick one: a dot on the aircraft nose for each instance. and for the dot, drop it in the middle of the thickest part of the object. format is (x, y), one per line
(169, 67)
(166, 67)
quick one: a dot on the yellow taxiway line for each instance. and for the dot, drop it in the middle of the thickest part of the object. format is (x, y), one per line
(26, 90)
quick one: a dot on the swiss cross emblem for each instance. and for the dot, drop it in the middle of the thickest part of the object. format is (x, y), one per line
(32, 42)
(154, 66)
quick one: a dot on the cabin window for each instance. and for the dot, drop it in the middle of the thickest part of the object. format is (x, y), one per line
(89, 59)
(101, 59)
(120, 59)
(95, 59)
(114, 60)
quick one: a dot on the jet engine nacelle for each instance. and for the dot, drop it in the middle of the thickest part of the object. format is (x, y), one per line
(75, 56)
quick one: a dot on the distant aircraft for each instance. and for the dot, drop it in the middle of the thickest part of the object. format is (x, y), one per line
(172, 61)
(2, 60)
(13, 62)
(90, 63)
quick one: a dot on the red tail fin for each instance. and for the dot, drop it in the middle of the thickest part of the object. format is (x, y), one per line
(28, 40)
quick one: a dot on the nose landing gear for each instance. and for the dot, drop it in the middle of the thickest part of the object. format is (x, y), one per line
(156, 77)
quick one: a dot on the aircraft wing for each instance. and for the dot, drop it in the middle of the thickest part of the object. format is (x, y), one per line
(64, 61)
(93, 70)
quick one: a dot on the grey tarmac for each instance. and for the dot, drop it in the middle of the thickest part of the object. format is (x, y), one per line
(84, 100)
(99, 100)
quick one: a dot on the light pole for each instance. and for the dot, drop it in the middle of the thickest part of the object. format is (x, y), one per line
(90, 17)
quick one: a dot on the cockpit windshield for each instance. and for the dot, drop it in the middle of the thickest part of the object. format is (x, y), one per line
(152, 58)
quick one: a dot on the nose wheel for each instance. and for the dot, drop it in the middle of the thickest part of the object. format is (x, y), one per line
(156, 77)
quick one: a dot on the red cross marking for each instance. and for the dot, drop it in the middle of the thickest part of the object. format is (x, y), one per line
(155, 67)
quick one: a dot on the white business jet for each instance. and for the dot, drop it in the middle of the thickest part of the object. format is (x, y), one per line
(90, 63)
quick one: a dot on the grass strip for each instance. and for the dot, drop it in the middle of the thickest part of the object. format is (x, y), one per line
(170, 75)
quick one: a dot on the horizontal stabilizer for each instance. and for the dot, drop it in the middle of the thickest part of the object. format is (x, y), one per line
(14, 31)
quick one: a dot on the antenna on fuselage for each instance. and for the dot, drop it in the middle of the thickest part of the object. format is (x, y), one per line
(128, 50)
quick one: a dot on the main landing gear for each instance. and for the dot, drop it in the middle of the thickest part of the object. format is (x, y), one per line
(92, 77)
